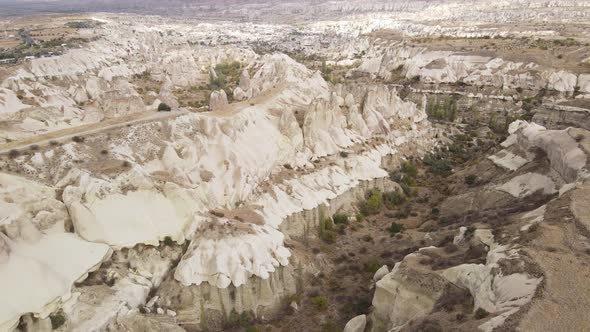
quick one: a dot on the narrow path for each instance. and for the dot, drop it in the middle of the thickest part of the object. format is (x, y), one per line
(93, 128)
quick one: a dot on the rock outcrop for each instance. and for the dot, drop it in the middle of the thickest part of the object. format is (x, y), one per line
(357, 324)
(39, 260)
(218, 101)
(508, 279)
(156, 185)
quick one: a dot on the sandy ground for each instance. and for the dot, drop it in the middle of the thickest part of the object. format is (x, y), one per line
(561, 252)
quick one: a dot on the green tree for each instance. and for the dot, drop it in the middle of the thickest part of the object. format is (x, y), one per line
(164, 108)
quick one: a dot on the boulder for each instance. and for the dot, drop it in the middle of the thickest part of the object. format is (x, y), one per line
(240, 94)
(380, 273)
(410, 290)
(357, 324)
(562, 81)
(584, 83)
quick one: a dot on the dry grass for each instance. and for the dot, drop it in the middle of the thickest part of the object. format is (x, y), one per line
(9, 43)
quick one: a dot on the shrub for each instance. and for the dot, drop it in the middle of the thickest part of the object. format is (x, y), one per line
(57, 319)
(13, 153)
(393, 198)
(395, 176)
(395, 228)
(373, 203)
(226, 72)
(343, 154)
(34, 147)
(340, 219)
(481, 313)
(437, 165)
(372, 266)
(320, 302)
(361, 305)
(435, 211)
(245, 320)
(218, 83)
(229, 68)
(164, 108)
(326, 231)
(406, 188)
(470, 179)
(168, 241)
(360, 217)
(341, 228)
(78, 139)
(579, 137)
(409, 169)
(407, 180)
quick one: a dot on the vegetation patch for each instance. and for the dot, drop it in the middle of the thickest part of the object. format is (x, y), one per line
(373, 203)
(340, 219)
(437, 165)
(393, 199)
(481, 313)
(57, 319)
(321, 302)
(164, 108)
(395, 228)
(326, 230)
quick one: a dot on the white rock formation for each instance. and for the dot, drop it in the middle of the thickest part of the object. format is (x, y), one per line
(243, 90)
(380, 273)
(357, 324)
(436, 67)
(407, 292)
(218, 101)
(562, 81)
(508, 160)
(494, 291)
(563, 152)
(584, 83)
(170, 187)
(528, 184)
(39, 261)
